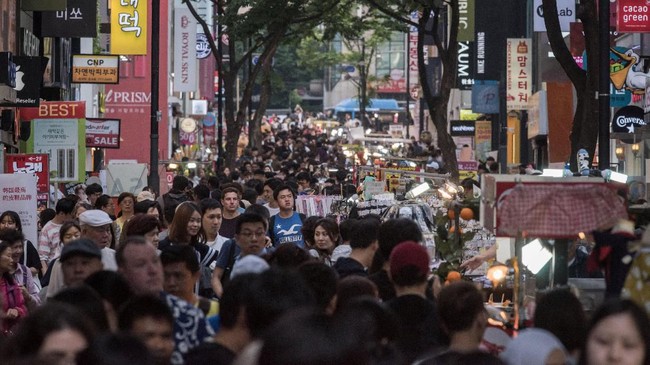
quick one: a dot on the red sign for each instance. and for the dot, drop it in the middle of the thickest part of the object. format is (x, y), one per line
(188, 138)
(103, 133)
(37, 164)
(55, 110)
(633, 16)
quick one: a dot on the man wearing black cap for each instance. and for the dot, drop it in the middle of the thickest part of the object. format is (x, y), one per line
(79, 259)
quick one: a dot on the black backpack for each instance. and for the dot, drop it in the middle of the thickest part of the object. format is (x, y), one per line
(170, 203)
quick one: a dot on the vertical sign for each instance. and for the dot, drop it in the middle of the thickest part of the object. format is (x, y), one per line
(414, 75)
(482, 138)
(129, 27)
(465, 75)
(518, 72)
(184, 50)
(466, 21)
(18, 193)
(37, 164)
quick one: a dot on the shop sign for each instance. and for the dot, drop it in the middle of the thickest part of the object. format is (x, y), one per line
(462, 128)
(78, 19)
(633, 16)
(566, 11)
(538, 115)
(28, 82)
(203, 49)
(129, 27)
(627, 119)
(187, 138)
(485, 97)
(95, 69)
(465, 67)
(18, 193)
(519, 61)
(184, 51)
(466, 20)
(37, 164)
(103, 133)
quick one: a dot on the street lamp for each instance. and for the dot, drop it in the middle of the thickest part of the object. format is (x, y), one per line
(635, 149)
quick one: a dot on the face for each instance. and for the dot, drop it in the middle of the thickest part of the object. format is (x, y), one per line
(194, 225)
(100, 235)
(7, 223)
(6, 261)
(92, 198)
(322, 239)
(16, 251)
(212, 221)
(251, 238)
(153, 211)
(179, 280)
(153, 237)
(230, 202)
(62, 346)
(268, 193)
(71, 234)
(142, 269)
(156, 335)
(77, 268)
(127, 205)
(285, 200)
(78, 212)
(616, 340)
(109, 208)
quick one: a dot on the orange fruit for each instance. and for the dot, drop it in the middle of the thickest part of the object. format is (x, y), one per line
(452, 229)
(467, 214)
(453, 276)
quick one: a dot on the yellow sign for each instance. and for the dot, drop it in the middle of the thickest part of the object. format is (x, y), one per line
(95, 69)
(129, 27)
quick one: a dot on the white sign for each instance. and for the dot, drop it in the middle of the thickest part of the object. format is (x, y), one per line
(566, 10)
(519, 70)
(184, 51)
(126, 177)
(538, 115)
(18, 193)
(199, 107)
(60, 139)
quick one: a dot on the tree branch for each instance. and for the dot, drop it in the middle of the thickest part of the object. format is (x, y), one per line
(391, 13)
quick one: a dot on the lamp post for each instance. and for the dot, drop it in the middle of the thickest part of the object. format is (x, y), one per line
(362, 84)
(154, 178)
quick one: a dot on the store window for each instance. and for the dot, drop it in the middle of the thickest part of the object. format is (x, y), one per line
(391, 55)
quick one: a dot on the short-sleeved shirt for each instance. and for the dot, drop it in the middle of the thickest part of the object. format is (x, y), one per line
(228, 227)
(49, 242)
(287, 230)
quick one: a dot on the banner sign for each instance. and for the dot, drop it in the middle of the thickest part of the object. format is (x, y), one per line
(462, 128)
(79, 19)
(465, 70)
(37, 164)
(128, 27)
(184, 51)
(485, 97)
(566, 11)
(633, 16)
(18, 193)
(29, 76)
(519, 61)
(482, 138)
(627, 119)
(95, 69)
(209, 129)
(103, 133)
(466, 20)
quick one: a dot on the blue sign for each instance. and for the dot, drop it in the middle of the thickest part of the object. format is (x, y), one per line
(485, 97)
(209, 120)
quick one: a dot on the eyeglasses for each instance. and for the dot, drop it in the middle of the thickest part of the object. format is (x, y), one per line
(249, 234)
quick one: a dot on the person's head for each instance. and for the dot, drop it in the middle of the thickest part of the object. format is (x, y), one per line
(186, 225)
(81, 207)
(352, 287)
(69, 231)
(96, 225)
(116, 349)
(618, 333)
(326, 235)
(181, 270)
(138, 261)
(79, 259)
(303, 179)
(534, 346)
(250, 233)
(15, 240)
(285, 197)
(55, 332)
(6, 258)
(345, 230)
(307, 229)
(201, 192)
(230, 197)
(322, 280)
(126, 201)
(94, 191)
(288, 256)
(211, 216)
(10, 220)
(269, 187)
(105, 203)
(145, 225)
(150, 319)
(409, 264)
(65, 207)
(233, 302)
(461, 309)
(114, 291)
(394, 231)
(560, 312)
(87, 302)
(364, 233)
(180, 183)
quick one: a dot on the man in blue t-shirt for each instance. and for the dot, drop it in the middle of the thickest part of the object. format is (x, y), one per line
(286, 226)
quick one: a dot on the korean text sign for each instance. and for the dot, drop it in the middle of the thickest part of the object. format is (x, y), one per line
(18, 193)
(129, 27)
(36, 164)
(519, 71)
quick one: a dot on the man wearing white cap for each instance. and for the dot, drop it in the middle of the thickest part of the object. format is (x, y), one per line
(96, 226)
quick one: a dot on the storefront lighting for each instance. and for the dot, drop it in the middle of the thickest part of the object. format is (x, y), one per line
(497, 274)
(620, 152)
(172, 166)
(191, 165)
(535, 256)
(635, 149)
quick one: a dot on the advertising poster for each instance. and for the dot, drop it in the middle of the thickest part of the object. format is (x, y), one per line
(18, 193)
(482, 138)
(37, 164)
(102, 133)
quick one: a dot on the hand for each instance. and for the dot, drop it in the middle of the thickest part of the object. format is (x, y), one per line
(268, 243)
(473, 263)
(12, 313)
(26, 295)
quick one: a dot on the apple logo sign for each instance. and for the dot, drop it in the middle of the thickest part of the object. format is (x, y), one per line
(19, 79)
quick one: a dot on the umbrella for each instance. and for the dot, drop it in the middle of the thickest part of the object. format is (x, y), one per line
(558, 210)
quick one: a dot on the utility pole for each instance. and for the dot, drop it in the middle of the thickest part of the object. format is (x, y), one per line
(363, 86)
(220, 88)
(154, 178)
(603, 84)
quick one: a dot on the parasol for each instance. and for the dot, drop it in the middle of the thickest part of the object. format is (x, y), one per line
(558, 210)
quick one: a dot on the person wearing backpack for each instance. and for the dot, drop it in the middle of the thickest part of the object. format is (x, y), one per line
(286, 226)
(170, 200)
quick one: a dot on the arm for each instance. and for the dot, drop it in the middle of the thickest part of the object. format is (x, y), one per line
(216, 281)
(477, 260)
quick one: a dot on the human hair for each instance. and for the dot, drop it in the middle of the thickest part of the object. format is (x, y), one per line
(141, 224)
(65, 206)
(272, 183)
(125, 195)
(322, 281)
(111, 286)
(332, 229)
(288, 256)
(180, 253)
(233, 300)
(308, 228)
(201, 192)
(145, 205)
(48, 318)
(115, 349)
(282, 187)
(14, 217)
(81, 204)
(213, 182)
(459, 304)
(102, 201)
(87, 301)
(249, 218)
(180, 183)
(260, 210)
(364, 233)
(209, 204)
(345, 229)
(304, 175)
(45, 216)
(250, 195)
(617, 306)
(255, 184)
(144, 306)
(130, 240)
(65, 227)
(560, 312)
(352, 287)
(178, 227)
(230, 189)
(93, 189)
(394, 231)
(11, 236)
